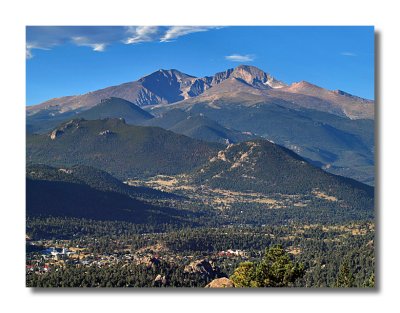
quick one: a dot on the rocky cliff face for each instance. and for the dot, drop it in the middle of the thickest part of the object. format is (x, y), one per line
(169, 85)
(256, 77)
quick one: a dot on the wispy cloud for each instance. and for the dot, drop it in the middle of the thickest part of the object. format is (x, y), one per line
(95, 37)
(240, 57)
(86, 42)
(348, 54)
(178, 31)
(142, 34)
(99, 37)
(28, 52)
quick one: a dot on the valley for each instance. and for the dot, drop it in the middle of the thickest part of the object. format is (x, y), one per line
(223, 199)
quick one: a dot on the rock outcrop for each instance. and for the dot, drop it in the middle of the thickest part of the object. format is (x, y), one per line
(55, 134)
(221, 283)
(201, 266)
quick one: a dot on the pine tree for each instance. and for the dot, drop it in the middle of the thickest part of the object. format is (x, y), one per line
(274, 270)
(345, 278)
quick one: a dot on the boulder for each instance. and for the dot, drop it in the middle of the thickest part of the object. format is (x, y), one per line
(221, 283)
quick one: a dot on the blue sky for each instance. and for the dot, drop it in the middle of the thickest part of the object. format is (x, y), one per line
(64, 61)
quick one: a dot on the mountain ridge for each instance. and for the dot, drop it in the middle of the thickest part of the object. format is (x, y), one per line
(120, 149)
(169, 86)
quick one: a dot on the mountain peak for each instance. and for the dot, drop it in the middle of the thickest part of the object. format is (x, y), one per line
(304, 83)
(249, 68)
(303, 86)
(171, 73)
(250, 73)
(255, 77)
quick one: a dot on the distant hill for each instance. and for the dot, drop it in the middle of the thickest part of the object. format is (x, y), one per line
(44, 120)
(107, 108)
(63, 193)
(116, 108)
(195, 126)
(123, 150)
(264, 167)
(94, 178)
(198, 126)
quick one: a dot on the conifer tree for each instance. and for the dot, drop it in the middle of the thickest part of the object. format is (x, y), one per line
(345, 278)
(274, 270)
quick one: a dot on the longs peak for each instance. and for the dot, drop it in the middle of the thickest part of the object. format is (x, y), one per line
(169, 86)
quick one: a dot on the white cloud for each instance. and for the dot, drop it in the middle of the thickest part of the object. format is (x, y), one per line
(142, 34)
(99, 37)
(28, 52)
(95, 37)
(86, 42)
(174, 32)
(30, 47)
(348, 54)
(240, 57)
(98, 46)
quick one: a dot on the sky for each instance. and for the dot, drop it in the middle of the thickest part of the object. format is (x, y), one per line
(70, 60)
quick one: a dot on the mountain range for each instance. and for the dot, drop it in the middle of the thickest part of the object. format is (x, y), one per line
(170, 86)
(331, 129)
